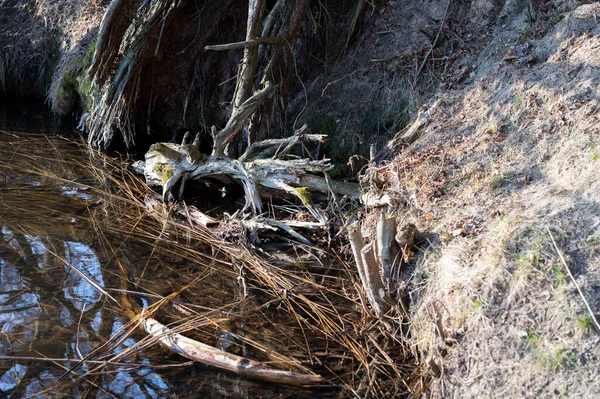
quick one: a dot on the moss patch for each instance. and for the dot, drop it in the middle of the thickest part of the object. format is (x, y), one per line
(70, 87)
(305, 195)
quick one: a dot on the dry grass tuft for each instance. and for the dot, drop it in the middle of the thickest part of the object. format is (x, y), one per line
(34, 35)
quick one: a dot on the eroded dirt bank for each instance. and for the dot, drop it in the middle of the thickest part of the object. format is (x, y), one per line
(505, 178)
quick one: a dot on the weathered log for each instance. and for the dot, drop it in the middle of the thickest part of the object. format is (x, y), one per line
(410, 133)
(357, 244)
(381, 301)
(387, 248)
(215, 357)
(286, 176)
(368, 270)
(318, 183)
(274, 174)
(167, 164)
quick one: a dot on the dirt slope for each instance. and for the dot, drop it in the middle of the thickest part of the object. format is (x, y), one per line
(504, 177)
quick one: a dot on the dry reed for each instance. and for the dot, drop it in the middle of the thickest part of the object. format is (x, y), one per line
(300, 316)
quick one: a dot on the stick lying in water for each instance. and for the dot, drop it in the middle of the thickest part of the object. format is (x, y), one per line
(217, 358)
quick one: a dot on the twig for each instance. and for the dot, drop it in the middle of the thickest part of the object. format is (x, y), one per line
(562, 259)
(433, 44)
(78, 330)
(276, 40)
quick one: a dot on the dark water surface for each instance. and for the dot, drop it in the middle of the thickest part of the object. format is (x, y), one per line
(50, 315)
(46, 309)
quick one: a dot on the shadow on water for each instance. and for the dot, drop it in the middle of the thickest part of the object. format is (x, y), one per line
(57, 238)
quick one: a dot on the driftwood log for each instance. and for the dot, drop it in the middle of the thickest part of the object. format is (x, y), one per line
(368, 270)
(387, 246)
(380, 261)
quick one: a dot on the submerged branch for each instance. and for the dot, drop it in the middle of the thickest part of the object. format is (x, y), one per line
(215, 357)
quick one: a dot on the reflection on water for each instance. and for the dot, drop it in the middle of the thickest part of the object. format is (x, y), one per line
(78, 290)
(48, 309)
(54, 261)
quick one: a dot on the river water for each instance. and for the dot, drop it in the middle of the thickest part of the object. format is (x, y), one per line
(59, 247)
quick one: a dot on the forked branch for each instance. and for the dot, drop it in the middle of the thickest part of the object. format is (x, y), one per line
(238, 118)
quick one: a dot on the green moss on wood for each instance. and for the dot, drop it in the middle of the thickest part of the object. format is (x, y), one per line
(305, 195)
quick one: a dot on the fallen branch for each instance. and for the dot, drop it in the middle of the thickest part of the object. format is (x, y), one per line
(411, 132)
(215, 357)
(280, 147)
(273, 41)
(387, 248)
(262, 223)
(382, 301)
(368, 270)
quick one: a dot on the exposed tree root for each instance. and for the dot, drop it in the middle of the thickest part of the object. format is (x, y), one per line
(170, 164)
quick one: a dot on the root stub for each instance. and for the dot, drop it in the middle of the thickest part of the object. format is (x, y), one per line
(215, 357)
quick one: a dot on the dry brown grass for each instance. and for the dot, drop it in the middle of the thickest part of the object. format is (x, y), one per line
(493, 310)
(34, 35)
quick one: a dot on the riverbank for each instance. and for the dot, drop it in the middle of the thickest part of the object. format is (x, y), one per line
(501, 178)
